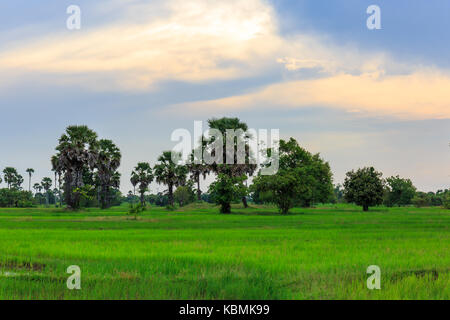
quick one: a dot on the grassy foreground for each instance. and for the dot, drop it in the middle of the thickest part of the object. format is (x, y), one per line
(197, 253)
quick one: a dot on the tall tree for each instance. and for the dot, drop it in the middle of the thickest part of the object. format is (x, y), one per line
(169, 173)
(46, 185)
(142, 175)
(77, 152)
(198, 169)
(364, 187)
(108, 162)
(30, 172)
(235, 132)
(302, 178)
(12, 178)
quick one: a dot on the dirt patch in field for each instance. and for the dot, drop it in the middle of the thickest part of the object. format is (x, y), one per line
(14, 265)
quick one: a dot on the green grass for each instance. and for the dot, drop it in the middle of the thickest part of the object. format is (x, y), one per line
(197, 253)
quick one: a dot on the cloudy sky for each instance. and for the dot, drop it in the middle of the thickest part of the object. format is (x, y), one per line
(137, 70)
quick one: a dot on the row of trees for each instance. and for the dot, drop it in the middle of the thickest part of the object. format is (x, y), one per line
(86, 174)
(15, 196)
(302, 178)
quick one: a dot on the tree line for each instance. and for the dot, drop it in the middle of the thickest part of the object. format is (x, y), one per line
(86, 174)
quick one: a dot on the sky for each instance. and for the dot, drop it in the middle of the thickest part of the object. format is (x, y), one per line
(137, 70)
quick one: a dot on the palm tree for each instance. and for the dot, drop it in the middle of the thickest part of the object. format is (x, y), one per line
(143, 175)
(77, 151)
(30, 172)
(234, 170)
(46, 184)
(108, 162)
(12, 177)
(197, 169)
(169, 173)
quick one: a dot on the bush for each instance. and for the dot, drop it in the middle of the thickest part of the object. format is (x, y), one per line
(15, 198)
(446, 201)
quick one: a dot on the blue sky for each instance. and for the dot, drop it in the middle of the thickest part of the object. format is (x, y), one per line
(137, 70)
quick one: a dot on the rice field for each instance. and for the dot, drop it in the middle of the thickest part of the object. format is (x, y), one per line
(196, 253)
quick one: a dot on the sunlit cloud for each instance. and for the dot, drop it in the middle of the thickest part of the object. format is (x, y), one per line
(420, 95)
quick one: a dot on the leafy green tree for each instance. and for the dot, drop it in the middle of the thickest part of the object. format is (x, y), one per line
(46, 185)
(76, 154)
(108, 162)
(235, 132)
(143, 175)
(169, 173)
(30, 172)
(364, 187)
(446, 201)
(302, 178)
(184, 194)
(226, 189)
(399, 191)
(12, 178)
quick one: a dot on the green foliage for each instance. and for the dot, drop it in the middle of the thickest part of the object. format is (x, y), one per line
(142, 175)
(136, 209)
(446, 200)
(364, 187)
(184, 195)
(169, 173)
(302, 179)
(15, 198)
(399, 192)
(227, 189)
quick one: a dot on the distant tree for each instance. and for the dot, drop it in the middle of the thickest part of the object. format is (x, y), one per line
(46, 185)
(399, 191)
(420, 200)
(134, 181)
(30, 172)
(302, 179)
(143, 175)
(169, 173)
(37, 187)
(364, 187)
(232, 129)
(197, 170)
(12, 178)
(225, 190)
(108, 162)
(184, 194)
(77, 154)
(446, 201)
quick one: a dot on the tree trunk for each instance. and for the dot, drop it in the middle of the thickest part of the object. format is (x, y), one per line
(225, 208)
(365, 207)
(199, 192)
(142, 199)
(244, 202)
(170, 194)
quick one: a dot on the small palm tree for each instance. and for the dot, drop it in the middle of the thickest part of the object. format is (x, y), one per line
(169, 173)
(143, 175)
(46, 184)
(30, 172)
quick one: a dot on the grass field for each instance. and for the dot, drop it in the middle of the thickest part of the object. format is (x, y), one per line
(197, 253)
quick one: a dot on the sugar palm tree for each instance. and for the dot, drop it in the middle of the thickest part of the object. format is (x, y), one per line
(30, 172)
(108, 162)
(46, 184)
(142, 175)
(169, 173)
(77, 151)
